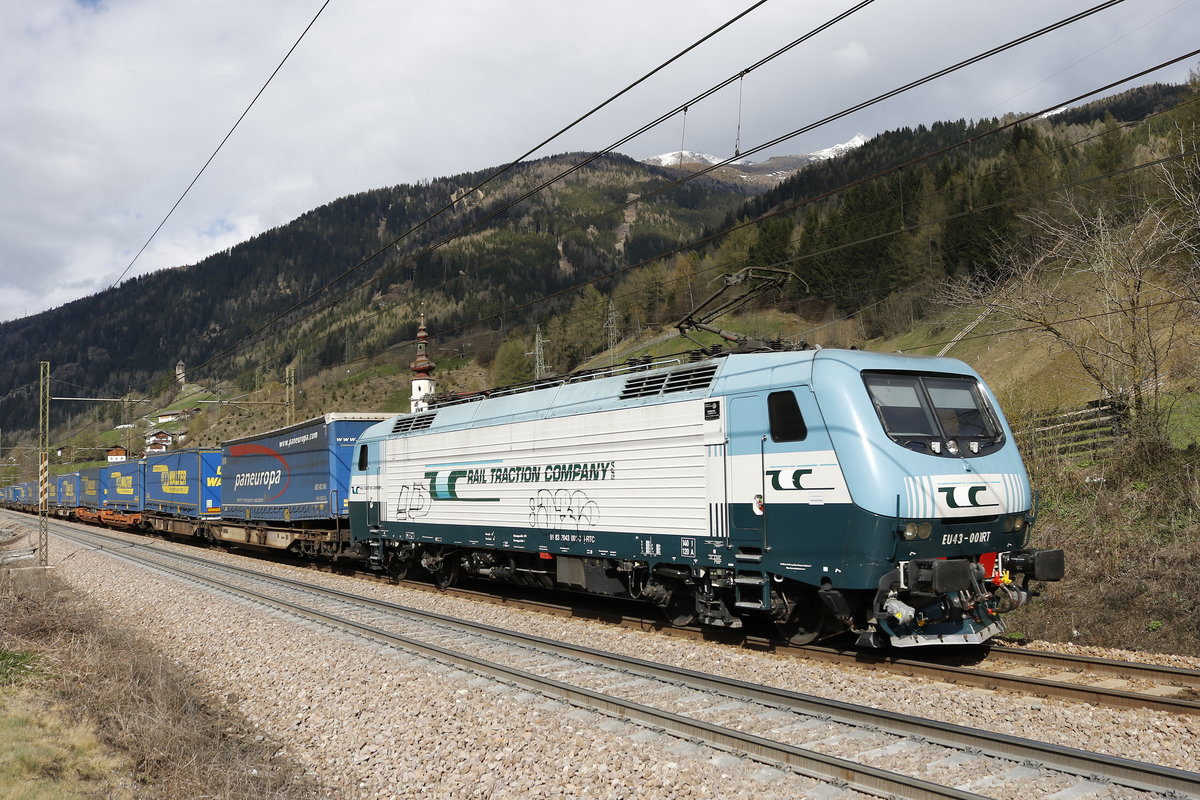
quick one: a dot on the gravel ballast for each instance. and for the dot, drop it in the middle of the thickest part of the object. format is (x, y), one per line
(370, 721)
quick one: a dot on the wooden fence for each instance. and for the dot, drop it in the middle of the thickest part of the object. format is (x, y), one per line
(1094, 429)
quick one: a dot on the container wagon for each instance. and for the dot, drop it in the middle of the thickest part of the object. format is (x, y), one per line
(289, 489)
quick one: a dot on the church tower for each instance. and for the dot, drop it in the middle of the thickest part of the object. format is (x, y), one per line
(422, 384)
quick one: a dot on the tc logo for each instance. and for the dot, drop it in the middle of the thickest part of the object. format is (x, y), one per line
(965, 496)
(796, 478)
(444, 485)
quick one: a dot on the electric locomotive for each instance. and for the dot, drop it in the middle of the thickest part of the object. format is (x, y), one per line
(822, 491)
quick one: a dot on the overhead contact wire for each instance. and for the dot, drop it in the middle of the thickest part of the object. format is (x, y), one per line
(678, 109)
(462, 232)
(856, 108)
(872, 177)
(257, 95)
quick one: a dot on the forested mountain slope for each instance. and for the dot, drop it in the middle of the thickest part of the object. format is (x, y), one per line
(122, 339)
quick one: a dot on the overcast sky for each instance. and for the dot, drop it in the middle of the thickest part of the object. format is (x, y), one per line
(108, 108)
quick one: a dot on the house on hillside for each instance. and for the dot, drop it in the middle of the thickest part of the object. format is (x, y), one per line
(117, 453)
(177, 415)
(160, 441)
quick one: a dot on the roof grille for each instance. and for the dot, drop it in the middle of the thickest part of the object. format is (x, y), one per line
(418, 422)
(680, 380)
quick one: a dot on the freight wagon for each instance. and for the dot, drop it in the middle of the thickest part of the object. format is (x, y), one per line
(288, 489)
(93, 486)
(68, 494)
(183, 490)
(124, 486)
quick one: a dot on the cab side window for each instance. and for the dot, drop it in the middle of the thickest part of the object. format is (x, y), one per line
(787, 423)
(362, 458)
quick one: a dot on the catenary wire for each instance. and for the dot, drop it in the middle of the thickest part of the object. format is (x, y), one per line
(809, 200)
(1024, 38)
(899, 90)
(858, 107)
(913, 161)
(254, 100)
(614, 273)
(491, 177)
(1016, 121)
(591, 220)
(501, 209)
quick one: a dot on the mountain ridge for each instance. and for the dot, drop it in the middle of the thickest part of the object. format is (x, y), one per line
(761, 174)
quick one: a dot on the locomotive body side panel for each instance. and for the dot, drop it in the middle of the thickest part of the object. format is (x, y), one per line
(625, 482)
(788, 498)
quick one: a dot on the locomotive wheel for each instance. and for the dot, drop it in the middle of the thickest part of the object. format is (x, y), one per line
(398, 566)
(447, 572)
(681, 608)
(805, 623)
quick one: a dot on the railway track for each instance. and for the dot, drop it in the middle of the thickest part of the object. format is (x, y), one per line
(1072, 678)
(1067, 677)
(1081, 679)
(811, 736)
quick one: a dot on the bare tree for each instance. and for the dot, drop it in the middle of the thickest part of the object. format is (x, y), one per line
(1115, 293)
(1180, 178)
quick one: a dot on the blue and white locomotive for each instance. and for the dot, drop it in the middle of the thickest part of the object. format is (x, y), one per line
(823, 491)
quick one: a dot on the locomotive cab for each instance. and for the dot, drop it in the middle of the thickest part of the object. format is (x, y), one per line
(937, 481)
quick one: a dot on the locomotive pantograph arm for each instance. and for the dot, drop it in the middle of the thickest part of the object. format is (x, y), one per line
(736, 290)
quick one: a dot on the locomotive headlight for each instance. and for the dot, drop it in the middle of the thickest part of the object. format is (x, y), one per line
(910, 531)
(924, 529)
(952, 447)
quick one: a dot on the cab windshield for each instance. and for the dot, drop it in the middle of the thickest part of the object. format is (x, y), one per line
(939, 414)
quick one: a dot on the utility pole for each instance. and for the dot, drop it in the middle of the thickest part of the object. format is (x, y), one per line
(43, 465)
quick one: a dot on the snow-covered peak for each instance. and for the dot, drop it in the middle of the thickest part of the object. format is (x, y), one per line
(686, 157)
(692, 157)
(840, 149)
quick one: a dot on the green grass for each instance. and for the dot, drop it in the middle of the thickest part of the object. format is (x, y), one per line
(1183, 427)
(45, 757)
(17, 666)
(380, 371)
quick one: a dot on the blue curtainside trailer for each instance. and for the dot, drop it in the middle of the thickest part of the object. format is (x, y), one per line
(68, 490)
(125, 485)
(184, 483)
(92, 487)
(298, 473)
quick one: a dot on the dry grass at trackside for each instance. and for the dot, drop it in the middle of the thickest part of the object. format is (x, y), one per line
(88, 710)
(1129, 523)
